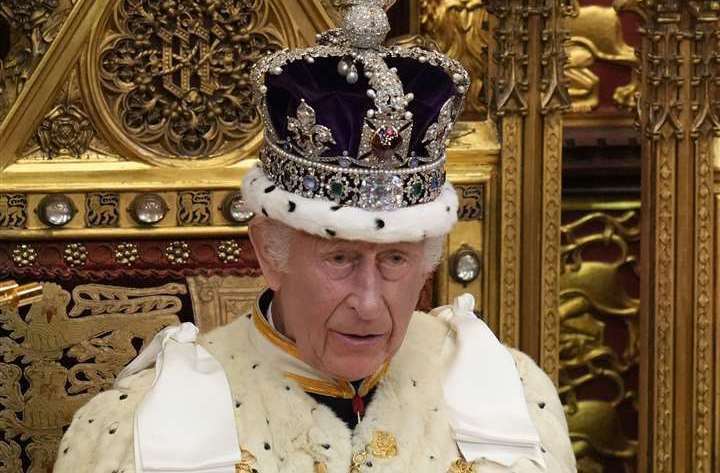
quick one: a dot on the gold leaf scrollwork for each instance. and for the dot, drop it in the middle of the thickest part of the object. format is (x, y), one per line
(510, 227)
(53, 362)
(13, 210)
(175, 75)
(594, 304)
(34, 24)
(218, 300)
(555, 95)
(459, 29)
(10, 454)
(99, 299)
(704, 131)
(510, 55)
(552, 174)
(67, 132)
(660, 115)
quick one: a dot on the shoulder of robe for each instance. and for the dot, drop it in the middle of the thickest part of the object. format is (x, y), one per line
(221, 332)
(425, 340)
(547, 414)
(426, 331)
(227, 338)
(100, 437)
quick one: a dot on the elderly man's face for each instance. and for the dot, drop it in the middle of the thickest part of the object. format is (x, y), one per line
(347, 305)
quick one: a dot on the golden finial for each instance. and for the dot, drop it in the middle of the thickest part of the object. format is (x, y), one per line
(11, 293)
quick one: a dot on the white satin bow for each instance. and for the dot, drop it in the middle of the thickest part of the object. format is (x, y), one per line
(484, 395)
(185, 423)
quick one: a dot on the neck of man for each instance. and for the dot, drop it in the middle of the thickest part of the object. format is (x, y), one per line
(278, 319)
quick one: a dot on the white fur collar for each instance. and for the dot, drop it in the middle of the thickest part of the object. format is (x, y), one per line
(300, 432)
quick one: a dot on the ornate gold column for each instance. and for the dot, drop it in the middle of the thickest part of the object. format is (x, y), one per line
(679, 121)
(529, 96)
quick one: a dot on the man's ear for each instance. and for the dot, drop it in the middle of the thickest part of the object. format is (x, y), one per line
(273, 275)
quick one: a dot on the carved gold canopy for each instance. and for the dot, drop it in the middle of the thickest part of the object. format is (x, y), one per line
(131, 96)
(106, 101)
(115, 98)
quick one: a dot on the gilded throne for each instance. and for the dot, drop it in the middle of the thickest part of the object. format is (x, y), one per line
(125, 130)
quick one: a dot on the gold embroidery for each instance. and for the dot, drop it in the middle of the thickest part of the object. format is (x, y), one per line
(357, 460)
(383, 445)
(246, 462)
(461, 466)
(275, 337)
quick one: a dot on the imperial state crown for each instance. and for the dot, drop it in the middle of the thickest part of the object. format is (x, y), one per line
(355, 133)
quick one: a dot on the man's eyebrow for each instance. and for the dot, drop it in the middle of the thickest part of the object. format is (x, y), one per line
(329, 246)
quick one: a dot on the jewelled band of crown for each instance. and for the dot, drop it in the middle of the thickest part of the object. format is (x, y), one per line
(372, 189)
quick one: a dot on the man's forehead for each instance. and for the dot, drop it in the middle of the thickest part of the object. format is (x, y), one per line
(324, 244)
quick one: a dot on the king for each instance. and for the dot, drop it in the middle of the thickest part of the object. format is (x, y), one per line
(334, 370)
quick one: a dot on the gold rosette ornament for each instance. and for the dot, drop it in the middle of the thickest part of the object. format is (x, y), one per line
(383, 445)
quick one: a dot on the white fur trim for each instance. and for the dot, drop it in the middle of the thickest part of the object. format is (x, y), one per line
(315, 216)
(288, 431)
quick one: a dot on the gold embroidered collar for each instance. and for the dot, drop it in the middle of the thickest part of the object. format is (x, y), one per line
(308, 378)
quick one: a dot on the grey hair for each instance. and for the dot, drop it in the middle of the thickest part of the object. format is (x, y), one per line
(278, 237)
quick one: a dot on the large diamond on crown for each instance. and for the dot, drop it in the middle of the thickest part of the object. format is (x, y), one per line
(381, 192)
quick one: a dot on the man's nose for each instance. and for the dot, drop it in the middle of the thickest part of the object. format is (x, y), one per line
(368, 299)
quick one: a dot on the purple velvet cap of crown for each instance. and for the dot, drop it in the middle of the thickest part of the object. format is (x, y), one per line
(342, 106)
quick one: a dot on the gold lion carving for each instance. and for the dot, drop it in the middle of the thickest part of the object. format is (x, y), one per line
(97, 335)
(596, 34)
(13, 210)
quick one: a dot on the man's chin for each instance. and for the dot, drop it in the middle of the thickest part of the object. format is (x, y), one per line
(355, 370)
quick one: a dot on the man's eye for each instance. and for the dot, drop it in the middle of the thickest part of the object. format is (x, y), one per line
(395, 258)
(340, 259)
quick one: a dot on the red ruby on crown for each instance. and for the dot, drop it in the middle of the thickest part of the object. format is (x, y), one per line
(386, 141)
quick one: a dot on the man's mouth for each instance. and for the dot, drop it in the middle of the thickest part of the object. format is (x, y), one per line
(361, 335)
(358, 340)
